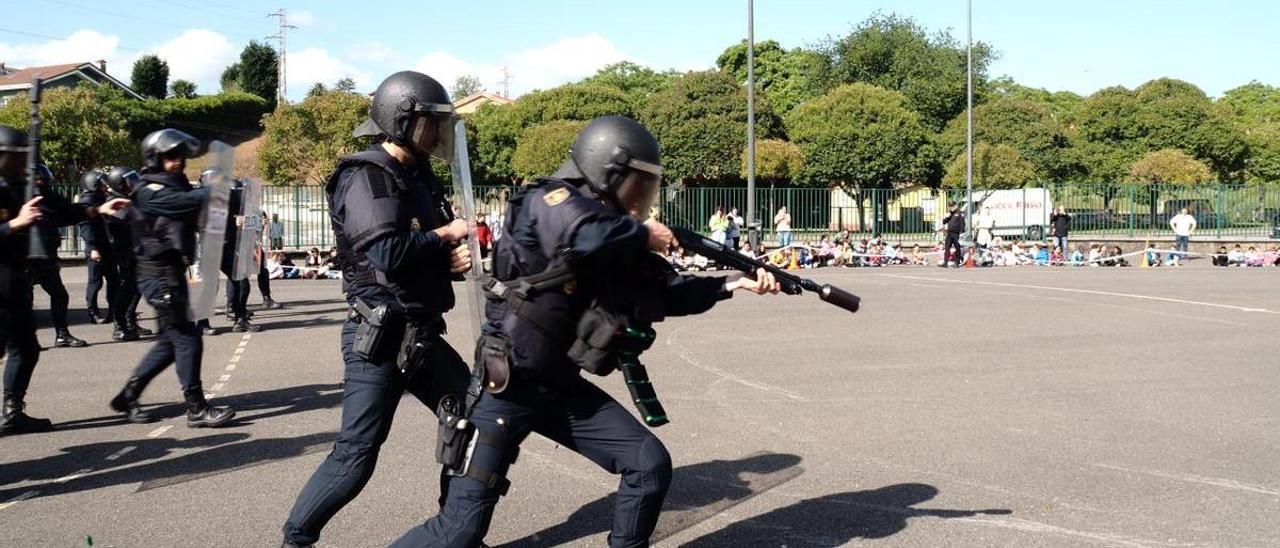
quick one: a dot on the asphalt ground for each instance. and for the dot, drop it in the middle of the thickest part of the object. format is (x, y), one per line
(975, 407)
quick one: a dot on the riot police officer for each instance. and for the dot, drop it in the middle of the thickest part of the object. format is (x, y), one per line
(164, 234)
(17, 322)
(397, 281)
(46, 272)
(124, 306)
(99, 256)
(237, 290)
(575, 274)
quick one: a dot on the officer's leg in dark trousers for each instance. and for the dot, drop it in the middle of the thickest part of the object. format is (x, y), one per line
(264, 287)
(102, 272)
(18, 333)
(584, 419)
(48, 276)
(124, 307)
(371, 392)
(177, 343)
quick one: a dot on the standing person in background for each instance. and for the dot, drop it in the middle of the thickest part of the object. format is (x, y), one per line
(1061, 223)
(46, 273)
(954, 226)
(984, 222)
(484, 237)
(734, 233)
(719, 225)
(275, 230)
(1183, 225)
(99, 258)
(782, 225)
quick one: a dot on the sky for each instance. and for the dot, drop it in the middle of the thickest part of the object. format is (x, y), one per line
(1080, 45)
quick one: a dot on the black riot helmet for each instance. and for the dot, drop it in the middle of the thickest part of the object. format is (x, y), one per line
(412, 110)
(12, 140)
(122, 180)
(44, 176)
(92, 181)
(165, 142)
(611, 151)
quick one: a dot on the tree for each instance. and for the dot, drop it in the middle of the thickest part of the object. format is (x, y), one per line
(542, 148)
(635, 80)
(259, 71)
(895, 53)
(859, 136)
(78, 132)
(1062, 105)
(787, 77)
(317, 89)
(1264, 145)
(345, 85)
(303, 142)
(466, 85)
(151, 77)
(994, 167)
(1027, 127)
(776, 160)
(1170, 166)
(701, 122)
(230, 79)
(183, 89)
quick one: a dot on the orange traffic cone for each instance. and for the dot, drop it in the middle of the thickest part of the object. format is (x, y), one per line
(1144, 263)
(968, 259)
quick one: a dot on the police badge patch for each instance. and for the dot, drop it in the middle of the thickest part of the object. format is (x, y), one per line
(555, 197)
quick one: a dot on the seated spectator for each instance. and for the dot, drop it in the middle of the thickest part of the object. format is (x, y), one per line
(699, 263)
(840, 255)
(826, 251)
(313, 263)
(1077, 256)
(1271, 257)
(1252, 257)
(746, 250)
(1118, 260)
(1235, 257)
(917, 256)
(1153, 257)
(274, 270)
(1042, 255)
(329, 269)
(288, 270)
(1056, 257)
(1095, 253)
(780, 258)
(1173, 258)
(1220, 258)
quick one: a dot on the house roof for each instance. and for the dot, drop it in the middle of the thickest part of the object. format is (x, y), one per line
(482, 97)
(13, 78)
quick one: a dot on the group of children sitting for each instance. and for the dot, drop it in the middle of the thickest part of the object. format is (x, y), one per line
(1252, 257)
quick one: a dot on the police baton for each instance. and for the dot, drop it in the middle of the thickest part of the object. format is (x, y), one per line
(36, 248)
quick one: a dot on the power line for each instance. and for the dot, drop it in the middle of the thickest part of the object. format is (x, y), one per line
(48, 37)
(208, 11)
(133, 17)
(282, 85)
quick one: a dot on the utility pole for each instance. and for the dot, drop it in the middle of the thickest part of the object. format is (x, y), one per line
(968, 173)
(282, 86)
(753, 227)
(506, 83)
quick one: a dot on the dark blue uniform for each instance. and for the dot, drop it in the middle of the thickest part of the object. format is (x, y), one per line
(46, 273)
(17, 322)
(607, 253)
(165, 213)
(373, 201)
(124, 306)
(105, 272)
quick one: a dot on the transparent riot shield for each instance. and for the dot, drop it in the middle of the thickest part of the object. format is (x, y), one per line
(249, 235)
(462, 185)
(213, 232)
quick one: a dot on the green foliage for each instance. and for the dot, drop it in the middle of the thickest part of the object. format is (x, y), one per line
(259, 71)
(1264, 147)
(345, 85)
(317, 89)
(637, 81)
(151, 77)
(303, 142)
(787, 77)
(230, 79)
(542, 148)
(1169, 166)
(896, 53)
(776, 160)
(1062, 105)
(465, 86)
(859, 135)
(1026, 126)
(994, 167)
(78, 133)
(183, 89)
(701, 122)
(229, 116)
(1117, 126)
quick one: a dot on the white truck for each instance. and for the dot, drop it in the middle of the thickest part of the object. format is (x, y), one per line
(1021, 212)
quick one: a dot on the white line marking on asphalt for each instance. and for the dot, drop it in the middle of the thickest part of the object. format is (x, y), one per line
(156, 433)
(224, 378)
(216, 387)
(1216, 482)
(235, 359)
(247, 335)
(1088, 291)
(240, 351)
(78, 473)
(121, 453)
(18, 499)
(243, 344)
(231, 366)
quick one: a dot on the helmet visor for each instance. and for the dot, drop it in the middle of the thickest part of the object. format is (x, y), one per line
(638, 193)
(433, 135)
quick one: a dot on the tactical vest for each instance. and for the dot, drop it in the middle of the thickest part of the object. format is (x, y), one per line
(428, 204)
(162, 241)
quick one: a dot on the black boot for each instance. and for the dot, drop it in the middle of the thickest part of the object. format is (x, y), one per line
(133, 326)
(270, 304)
(96, 316)
(202, 415)
(106, 317)
(127, 402)
(17, 422)
(243, 326)
(124, 333)
(65, 339)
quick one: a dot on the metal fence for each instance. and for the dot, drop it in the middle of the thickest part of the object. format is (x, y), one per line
(912, 214)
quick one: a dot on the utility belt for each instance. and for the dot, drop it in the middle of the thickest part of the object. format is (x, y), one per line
(388, 332)
(171, 308)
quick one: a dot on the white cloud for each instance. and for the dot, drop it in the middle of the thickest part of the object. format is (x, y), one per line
(307, 67)
(81, 46)
(198, 55)
(302, 18)
(568, 59)
(372, 52)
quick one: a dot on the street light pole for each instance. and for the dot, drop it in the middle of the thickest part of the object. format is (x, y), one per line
(968, 174)
(753, 226)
